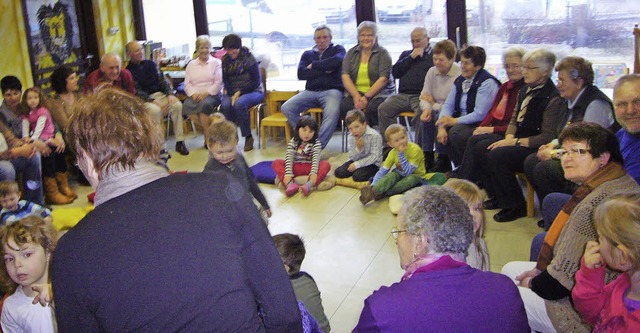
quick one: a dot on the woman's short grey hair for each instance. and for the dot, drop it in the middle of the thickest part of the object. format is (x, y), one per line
(201, 40)
(441, 216)
(513, 52)
(368, 25)
(543, 58)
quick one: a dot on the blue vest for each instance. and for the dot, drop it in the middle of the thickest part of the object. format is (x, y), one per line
(481, 76)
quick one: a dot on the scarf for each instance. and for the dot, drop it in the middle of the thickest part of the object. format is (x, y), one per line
(501, 108)
(237, 66)
(607, 173)
(421, 262)
(119, 182)
(530, 93)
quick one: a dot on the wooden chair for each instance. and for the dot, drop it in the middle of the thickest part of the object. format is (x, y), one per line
(316, 113)
(276, 118)
(408, 115)
(531, 194)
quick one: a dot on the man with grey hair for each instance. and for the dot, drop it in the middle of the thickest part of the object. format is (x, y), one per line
(439, 291)
(411, 68)
(320, 67)
(153, 88)
(626, 104)
(110, 72)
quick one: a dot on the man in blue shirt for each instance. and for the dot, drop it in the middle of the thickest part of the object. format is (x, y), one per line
(626, 102)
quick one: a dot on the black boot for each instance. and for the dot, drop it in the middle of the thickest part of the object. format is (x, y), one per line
(428, 160)
(442, 164)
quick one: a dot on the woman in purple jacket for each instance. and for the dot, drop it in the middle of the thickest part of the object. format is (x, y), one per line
(439, 291)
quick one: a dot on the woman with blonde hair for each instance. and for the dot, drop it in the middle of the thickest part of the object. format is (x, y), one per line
(203, 84)
(366, 74)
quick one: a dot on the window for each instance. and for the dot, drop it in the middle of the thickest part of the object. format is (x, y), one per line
(397, 18)
(599, 31)
(171, 23)
(278, 31)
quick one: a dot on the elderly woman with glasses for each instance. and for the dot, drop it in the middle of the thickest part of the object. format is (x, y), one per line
(366, 74)
(591, 158)
(583, 101)
(439, 291)
(533, 123)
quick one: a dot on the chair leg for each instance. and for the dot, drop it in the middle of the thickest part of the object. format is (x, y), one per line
(287, 133)
(344, 136)
(408, 124)
(530, 200)
(168, 125)
(263, 138)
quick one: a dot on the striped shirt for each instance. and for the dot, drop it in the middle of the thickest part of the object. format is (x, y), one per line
(305, 152)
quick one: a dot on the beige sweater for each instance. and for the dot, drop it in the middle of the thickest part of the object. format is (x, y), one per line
(569, 249)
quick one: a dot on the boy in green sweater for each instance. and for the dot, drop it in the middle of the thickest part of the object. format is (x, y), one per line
(406, 163)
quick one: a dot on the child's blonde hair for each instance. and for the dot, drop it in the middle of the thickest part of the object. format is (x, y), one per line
(30, 229)
(217, 117)
(8, 187)
(222, 132)
(618, 220)
(470, 193)
(394, 129)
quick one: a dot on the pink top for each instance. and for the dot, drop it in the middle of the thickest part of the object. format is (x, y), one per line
(40, 124)
(603, 305)
(203, 77)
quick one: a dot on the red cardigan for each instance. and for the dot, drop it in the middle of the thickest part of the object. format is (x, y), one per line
(512, 89)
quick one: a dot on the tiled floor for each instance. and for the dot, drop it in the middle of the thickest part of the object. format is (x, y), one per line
(349, 249)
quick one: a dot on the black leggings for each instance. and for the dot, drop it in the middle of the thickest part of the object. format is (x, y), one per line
(53, 163)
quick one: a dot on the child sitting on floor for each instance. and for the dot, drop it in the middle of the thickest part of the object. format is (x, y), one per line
(477, 256)
(302, 159)
(407, 160)
(223, 154)
(27, 248)
(292, 252)
(365, 149)
(615, 306)
(14, 209)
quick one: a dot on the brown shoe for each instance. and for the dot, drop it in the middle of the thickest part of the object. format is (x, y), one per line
(51, 193)
(367, 194)
(248, 143)
(62, 179)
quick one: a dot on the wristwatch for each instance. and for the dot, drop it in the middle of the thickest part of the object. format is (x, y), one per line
(518, 142)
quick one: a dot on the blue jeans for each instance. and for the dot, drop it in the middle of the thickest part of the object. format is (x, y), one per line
(239, 112)
(328, 100)
(31, 176)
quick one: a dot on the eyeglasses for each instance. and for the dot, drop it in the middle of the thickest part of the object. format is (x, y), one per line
(625, 104)
(417, 40)
(573, 152)
(530, 68)
(512, 66)
(395, 232)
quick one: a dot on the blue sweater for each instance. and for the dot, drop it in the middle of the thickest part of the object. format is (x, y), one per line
(182, 253)
(325, 72)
